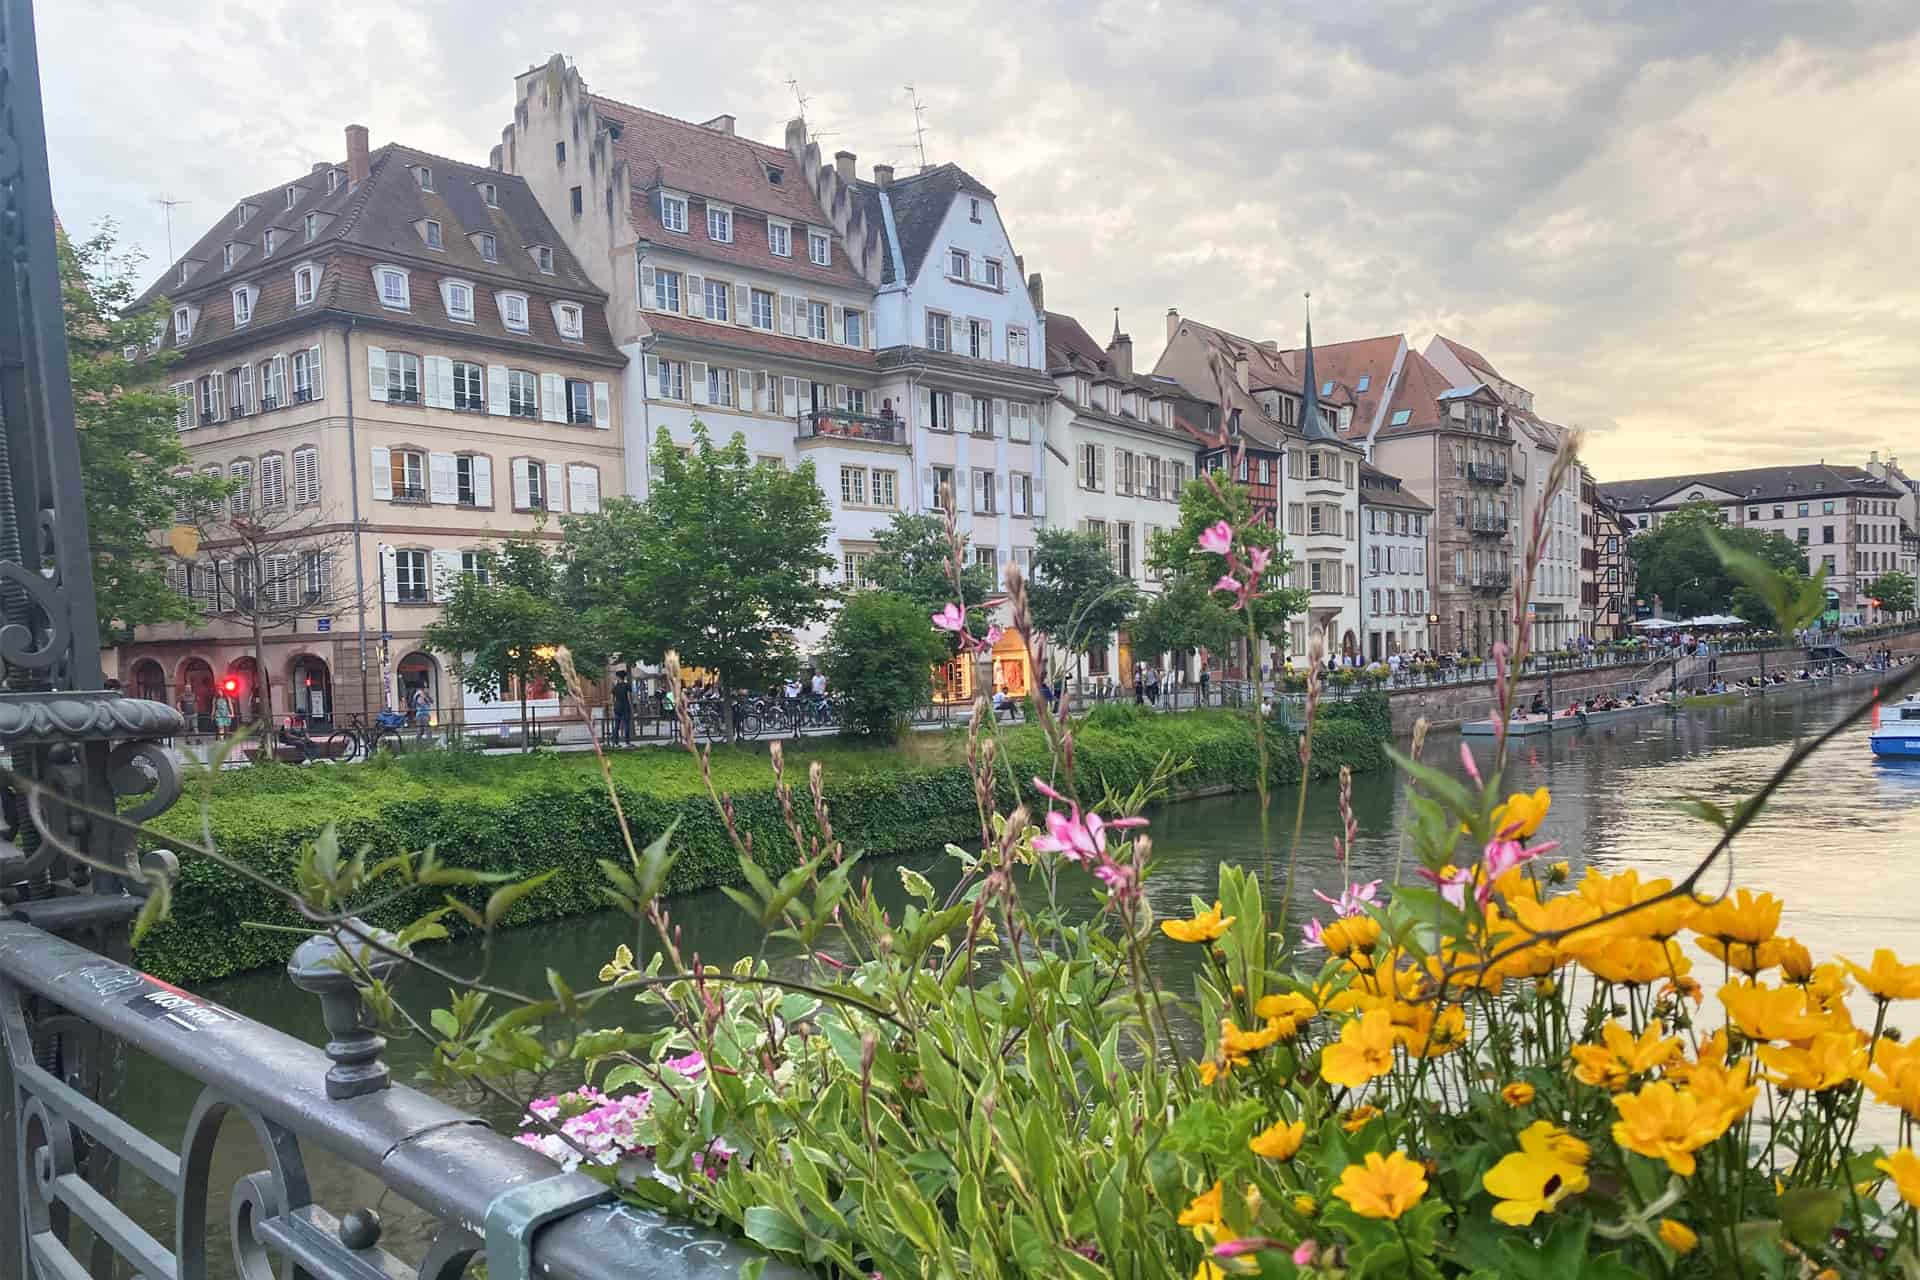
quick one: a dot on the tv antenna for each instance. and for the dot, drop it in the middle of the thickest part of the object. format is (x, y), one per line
(802, 99)
(919, 125)
(168, 204)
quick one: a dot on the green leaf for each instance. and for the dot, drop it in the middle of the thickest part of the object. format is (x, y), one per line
(771, 1229)
(444, 1022)
(503, 899)
(917, 885)
(1810, 1213)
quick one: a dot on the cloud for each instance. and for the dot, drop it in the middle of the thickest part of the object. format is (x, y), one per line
(1687, 233)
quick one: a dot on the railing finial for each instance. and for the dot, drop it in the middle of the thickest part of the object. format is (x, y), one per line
(324, 967)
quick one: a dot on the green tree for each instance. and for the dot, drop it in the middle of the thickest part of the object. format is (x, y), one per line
(1185, 615)
(911, 558)
(1077, 597)
(723, 562)
(500, 627)
(1676, 562)
(1893, 590)
(880, 657)
(1176, 556)
(129, 443)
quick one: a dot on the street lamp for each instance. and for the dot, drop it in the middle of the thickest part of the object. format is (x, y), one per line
(386, 683)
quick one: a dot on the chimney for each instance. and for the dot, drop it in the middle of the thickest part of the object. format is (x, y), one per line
(1241, 373)
(1173, 322)
(1120, 351)
(358, 165)
(883, 175)
(843, 165)
(719, 124)
(1037, 291)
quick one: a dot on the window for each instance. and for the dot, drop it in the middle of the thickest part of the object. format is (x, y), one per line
(459, 301)
(719, 385)
(1020, 487)
(228, 252)
(466, 482)
(474, 565)
(1826, 508)
(1799, 535)
(1401, 417)
(853, 330)
(240, 390)
(671, 381)
(1019, 422)
(530, 481)
(1803, 510)
(513, 311)
(306, 375)
(979, 340)
(430, 231)
(957, 263)
(488, 246)
(720, 223)
(305, 280)
(543, 258)
(469, 386)
(883, 489)
(819, 248)
(853, 486)
(940, 411)
(241, 473)
(403, 377)
(269, 240)
(937, 332)
(719, 299)
(993, 274)
(983, 491)
(408, 475)
(854, 565)
(780, 239)
(857, 399)
(576, 201)
(579, 402)
(273, 382)
(311, 226)
(560, 154)
(410, 577)
(1826, 563)
(762, 307)
(1826, 533)
(333, 181)
(942, 484)
(570, 317)
(242, 305)
(982, 416)
(673, 213)
(523, 394)
(491, 194)
(666, 290)
(1016, 345)
(424, 176)
(182, 324)
(393, 288)
(1093, 466)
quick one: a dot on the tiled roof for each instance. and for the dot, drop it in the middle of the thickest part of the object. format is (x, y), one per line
(686, 328)
(1468, 356)
(1344, 363)
(1378, 489)
(1267, 367)
(1753, 484)
(920, 202)
(1070, 348)
(1418, 393)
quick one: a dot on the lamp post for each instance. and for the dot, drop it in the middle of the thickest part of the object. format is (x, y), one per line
(386, 681)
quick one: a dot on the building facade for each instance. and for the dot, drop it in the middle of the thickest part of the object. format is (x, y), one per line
(1394, 528)
(1617, 606)
(396, 362)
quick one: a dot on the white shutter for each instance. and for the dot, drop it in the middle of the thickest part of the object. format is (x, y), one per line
(926, 409)
(377, 373)
(482, 480)
(522, 489)
(696, 295)
(603, 406)
(497, 390)
(1000, 418)
(653, 375)
(1100, 467)
(743, 388)
(1039, 497)
(440, 382)
(839, 395)
(646, 286)
(838, 328)
(443, 485)
(382, 473)
(790, 394)
(697, 376)
(442, 569)
(556, 497)
(962, 412)
(583, 489)
(553, 398)
(786, 313)
(313, 370)
(742, 305)
(219, 396)
(389, 575)
(183, 412)
(986, 336)
(929, 495)
(283, 394)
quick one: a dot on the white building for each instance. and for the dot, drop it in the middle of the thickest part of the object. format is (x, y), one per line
(1394, 530)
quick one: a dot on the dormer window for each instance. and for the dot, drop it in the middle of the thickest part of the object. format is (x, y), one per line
(1366, 380)
(491, 194)
(458, 295)
(306, 284)
(182, 324)
(819, 248)
(270, 240)
(242, 305)
(392, 282)
(311, 225)
(513, 311)
(720, 223)
(568, 316)
(430, 232)
(333, 181)
(229, 252)
(673, 212)
(293, 196)
(241, 215)
(1401, 417)
(543, 258)
(423, 176)
(489, 247)
(185, 271)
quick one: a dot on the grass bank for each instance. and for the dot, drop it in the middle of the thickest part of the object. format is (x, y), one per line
(525, 814)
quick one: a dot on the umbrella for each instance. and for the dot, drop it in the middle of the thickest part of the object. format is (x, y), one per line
(1655, 624)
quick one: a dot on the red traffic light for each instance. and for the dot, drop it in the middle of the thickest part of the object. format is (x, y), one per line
(232, 685)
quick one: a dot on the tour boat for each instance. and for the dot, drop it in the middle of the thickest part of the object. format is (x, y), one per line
(1897, 728)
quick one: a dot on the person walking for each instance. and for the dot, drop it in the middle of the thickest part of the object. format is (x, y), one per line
(1139, 685)
(1153, 686)
(623, 710)
(1206, 679)
(222, 714)
(422, 704)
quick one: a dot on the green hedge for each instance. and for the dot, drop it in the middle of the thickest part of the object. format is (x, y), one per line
(526, 814)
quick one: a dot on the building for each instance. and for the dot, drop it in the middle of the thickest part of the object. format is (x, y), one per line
(1267, 408)
(1616, 607)
(1907, 507)
(1591, 609)
(1127, 460)
(1394, 527)
(1846, 518)
(399, 362)
(739, 302)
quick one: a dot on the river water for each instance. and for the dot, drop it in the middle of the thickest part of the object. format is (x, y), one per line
(1840, 843)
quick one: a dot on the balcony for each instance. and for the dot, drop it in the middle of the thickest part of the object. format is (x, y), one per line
(843, 424)
(1490, 526)
(1491, 583)
(409, 493)
(1487, 472)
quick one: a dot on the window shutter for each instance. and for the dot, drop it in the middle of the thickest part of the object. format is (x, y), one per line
(553, 398)
(442, 568)
(962, 412)
(389, 573)
(583, 489)
(929, 495)
(219, 386)
(1100, 467)
(986, 334)
(442, 381)
(926, 409)
(377, 373)
(602, 407)
(653, 375)
(442, 486)
(280, 392)
(1039, 497)
(497, 390)
(482, 480)
(183, 412)
(646, 286)
(313, 370)
(742, 305)
(837, 329)
(743, 388)
(697, 296)
(697, 376)
(786, 313)
(522, 489)
(790, 396)
(839, 395)
(382, 473)
(1000, 418)
(556, 496)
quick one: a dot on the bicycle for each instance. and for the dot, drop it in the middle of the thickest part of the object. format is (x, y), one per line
(338, 745)
(384, 732)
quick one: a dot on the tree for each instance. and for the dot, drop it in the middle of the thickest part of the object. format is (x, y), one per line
(1186, 615)
(129, 442)
(1893, 590)
(1176, 556)
(501, 626)
(880, 657)
(723, 562)
(1077, 597)
(912, 558)
(1676, 562)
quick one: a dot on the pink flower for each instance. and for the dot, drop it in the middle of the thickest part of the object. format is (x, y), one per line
(950, 618)
(1218, 538)
(1466, 759)
(1242, 1247)
(1311, 935)
(1228, 583)
(1259, 556)
(994, 633)
(1503, 856)
(1304, 1251)
(1452, 884)
(1078, 839)
(1353, 900)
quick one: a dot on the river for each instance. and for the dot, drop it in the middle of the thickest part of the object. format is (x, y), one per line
(1840, 843)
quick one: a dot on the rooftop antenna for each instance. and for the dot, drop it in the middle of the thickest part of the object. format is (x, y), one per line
(919, 126)
(168, 204)
(802, 99)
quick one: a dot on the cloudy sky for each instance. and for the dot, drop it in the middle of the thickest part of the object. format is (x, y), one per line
(1688, 228)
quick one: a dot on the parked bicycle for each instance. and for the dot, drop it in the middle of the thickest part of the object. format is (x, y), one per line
(384, 732)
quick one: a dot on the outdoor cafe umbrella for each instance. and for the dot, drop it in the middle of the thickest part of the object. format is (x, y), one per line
(1655, 624)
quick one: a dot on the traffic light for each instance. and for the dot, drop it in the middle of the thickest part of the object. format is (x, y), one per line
(232, 685)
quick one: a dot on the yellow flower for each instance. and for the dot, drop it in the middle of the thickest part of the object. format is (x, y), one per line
(1424, 1033)
(1382, 1187)
(1633, 962)
(1555, 915)
(1517, 1094)
(1678, 1236)
(1350, 934)
(1829, 1060)
(1203, 1210)
(1663, 1123)
(1522, 814)
(1235, 1043)
(1204, 927)
(1305, 1206)
(1772, 1013)
(1724, 1089)
(1887, 978)
(1796, 964)
(1750, 958)
(1279, 1140)
(1660, 921)
(1613, 1063)
(1744, 916)
(1904, 1168)
(1895, 1079)
(1359, 1118)
(1558, 872)
(1363, 1051)
(1549, 1167)
(1285, 1013)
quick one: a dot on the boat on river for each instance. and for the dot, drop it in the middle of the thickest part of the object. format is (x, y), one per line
(1524, 726)
(1897, 728)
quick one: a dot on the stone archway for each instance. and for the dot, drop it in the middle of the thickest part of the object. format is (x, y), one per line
(148, 680)
(248, 693)
(310, 687)
(193, 683)
(415, 670)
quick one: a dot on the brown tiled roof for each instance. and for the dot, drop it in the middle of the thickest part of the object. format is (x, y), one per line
(1468, 356)
(669, 325)
(1071, 348)
(1418, 392)
(1378, 489)
(1754, 484)
(1344, 364)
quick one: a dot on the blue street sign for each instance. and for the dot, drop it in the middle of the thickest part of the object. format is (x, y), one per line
(323, 624)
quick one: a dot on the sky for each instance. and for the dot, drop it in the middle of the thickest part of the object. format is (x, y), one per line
(1687, 228)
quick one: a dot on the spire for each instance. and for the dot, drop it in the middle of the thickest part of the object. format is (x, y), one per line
(1310, 424)
(1116, 324)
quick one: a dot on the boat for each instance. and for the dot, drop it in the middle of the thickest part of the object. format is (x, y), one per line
(1525, 726)
(1897, 728)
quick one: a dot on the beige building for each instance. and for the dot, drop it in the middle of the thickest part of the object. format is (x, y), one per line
(398, 363)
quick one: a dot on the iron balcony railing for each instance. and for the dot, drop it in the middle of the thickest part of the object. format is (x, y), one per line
(845, 424)
(1487, 472)
(1493, 582)
(1496, 525)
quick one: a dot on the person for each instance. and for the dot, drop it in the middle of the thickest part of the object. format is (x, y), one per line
(1539, 705)
(422, 704)
(1206, 678)
(818, 684)
(1139, 685)
(623, 710)
(222, 713)
(1002, 705)
(1153, 686)
(791, 691)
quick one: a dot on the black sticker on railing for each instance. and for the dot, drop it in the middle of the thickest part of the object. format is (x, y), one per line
(182, 1008)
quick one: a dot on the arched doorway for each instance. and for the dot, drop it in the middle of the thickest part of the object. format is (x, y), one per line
(149, 681)
(1010, 671)
(195, 697)
(247, 694)
(310, 687)
(1349, 644)
(417, 670)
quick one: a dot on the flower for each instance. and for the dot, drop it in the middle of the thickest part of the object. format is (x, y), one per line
(1725, 1089)
(1517, 1094)
(1745, 916)
(1663, 1123)
(1363, 1051)
(1286, 1010)
(1549, 1167)
(1771, 1013)
(1886, 978)
(1619, 1057)
(1678, 1236)
(1204, 927)
(1304, 1251)
(1796, 965)
(1904, 1168)
(1502, 856)
(1203, 1210)
(1305, 1206)
(1217, 538)
(1354, 899)
(994, 633)
(1257, 559)
(1077, 838)
(1279, 1140)
(1750, 958)
(1520, 817)
(1633, 962)
(1382, 1187)
(1829, 1060)
(950, 618)
(1359, 1118)
(1227, 583)
(1895, 1079)
(1237, 1043)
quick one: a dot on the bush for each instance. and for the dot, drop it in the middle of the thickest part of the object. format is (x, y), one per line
(880, 657)
(1116, 715)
